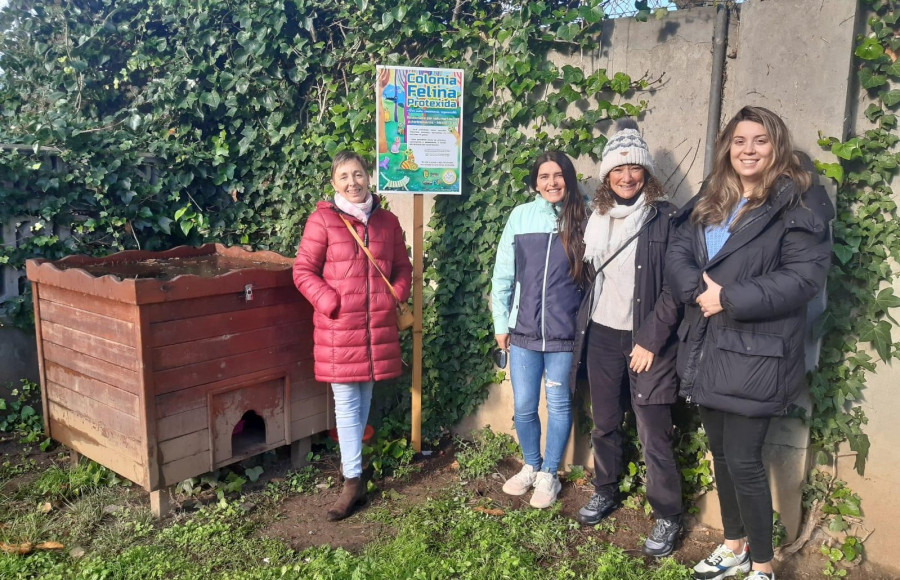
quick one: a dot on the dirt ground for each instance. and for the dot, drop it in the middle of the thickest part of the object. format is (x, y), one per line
(301, 522)
(304, 524)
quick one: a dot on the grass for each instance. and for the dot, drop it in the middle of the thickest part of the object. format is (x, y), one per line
(109, 534)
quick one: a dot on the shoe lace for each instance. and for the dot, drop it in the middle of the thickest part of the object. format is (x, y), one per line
(544, 483)
(593, 504)
(523, 476)
(661, 529)
(720, 554)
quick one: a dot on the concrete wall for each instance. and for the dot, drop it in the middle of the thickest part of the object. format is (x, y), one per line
(880, 502)
(805, 78)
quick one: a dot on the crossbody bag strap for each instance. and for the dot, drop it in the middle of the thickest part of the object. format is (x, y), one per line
(369, 254)
(622, 247)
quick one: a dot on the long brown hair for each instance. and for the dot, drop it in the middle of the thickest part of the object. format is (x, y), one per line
(603, 199)
(724, 189)
(572, 215)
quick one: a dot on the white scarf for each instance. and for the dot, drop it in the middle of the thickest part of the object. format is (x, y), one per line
(597, 241)
(599, 244)
(360, 211)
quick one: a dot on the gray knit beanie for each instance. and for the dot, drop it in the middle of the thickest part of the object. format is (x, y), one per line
(625, 147)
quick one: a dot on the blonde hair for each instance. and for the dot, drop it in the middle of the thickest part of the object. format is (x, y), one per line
(724, 189)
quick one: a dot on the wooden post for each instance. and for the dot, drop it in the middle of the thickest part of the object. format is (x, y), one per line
(160, 502)
(418, 284)
(299, 450)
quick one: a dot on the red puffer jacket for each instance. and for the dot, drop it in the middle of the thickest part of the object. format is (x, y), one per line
(355, 323)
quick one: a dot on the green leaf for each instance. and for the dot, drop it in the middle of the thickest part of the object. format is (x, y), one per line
(831, 170)
(869, 79)
(844, 253)
(886, 299)
(894, 69)
(891, 98)
(211, 99)
(869, 49)
(879, 336)
(847, 150)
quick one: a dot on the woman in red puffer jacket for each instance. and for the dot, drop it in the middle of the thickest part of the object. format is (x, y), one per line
(355, 337)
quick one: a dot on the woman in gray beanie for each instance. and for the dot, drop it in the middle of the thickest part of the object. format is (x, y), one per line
(626, 324)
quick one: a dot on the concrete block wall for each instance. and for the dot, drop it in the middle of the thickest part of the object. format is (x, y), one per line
(877, 488)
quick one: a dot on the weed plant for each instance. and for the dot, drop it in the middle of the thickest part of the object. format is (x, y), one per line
(480, 456)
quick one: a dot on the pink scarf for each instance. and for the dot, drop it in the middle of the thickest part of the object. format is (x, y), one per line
(360, 211)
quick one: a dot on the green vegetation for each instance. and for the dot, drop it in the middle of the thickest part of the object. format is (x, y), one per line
(108, 533)
(479, 457)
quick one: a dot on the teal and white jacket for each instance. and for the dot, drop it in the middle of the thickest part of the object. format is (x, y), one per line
(533, 296)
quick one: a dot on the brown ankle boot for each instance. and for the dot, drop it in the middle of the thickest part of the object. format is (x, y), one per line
(352, 495)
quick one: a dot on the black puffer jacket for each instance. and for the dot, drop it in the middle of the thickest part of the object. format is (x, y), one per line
(749, 359)
(655, 313)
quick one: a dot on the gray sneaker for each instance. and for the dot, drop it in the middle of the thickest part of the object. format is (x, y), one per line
(600, 505)
(663, 537)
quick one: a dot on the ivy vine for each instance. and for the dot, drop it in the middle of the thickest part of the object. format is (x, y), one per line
(858, 320)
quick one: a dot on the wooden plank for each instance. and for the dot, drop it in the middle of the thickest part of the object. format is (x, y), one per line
(86, 386)
(177, 471)
(417, 285)
(283, 356)
(181, 401)
(147, 394)
(120, 423)
(200, 327)
(207, 305)
(195, 397)
(305, 386)
(303, 408)
(310, 426)
(88, 303)
(109, 373)
(184, 446)
(182, 424)
(36, 290)
(112, 329)
(99, 348)
(120, 454)
(227, 345)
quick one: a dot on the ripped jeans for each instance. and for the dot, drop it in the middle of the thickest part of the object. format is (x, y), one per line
(527, 368)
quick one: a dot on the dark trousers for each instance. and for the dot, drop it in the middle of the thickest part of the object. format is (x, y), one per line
(744, 496)
(610, 378)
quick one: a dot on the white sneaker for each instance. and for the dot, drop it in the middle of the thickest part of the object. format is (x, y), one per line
(757, 575)
(722, 563)
(520, 483)
(546, 488)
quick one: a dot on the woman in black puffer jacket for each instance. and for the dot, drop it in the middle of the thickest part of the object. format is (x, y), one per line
(750, 251)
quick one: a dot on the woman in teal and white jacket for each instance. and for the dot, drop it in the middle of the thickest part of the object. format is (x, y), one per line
(536, 290)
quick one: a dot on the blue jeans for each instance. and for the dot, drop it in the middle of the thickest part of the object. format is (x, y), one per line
(527, 367)
(351, 411)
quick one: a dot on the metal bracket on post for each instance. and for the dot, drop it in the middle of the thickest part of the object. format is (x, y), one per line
(248, 293)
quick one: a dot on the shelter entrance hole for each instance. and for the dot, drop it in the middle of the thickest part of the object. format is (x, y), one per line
(248, 433)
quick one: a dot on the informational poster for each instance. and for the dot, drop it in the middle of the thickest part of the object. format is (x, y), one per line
(419, 130)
